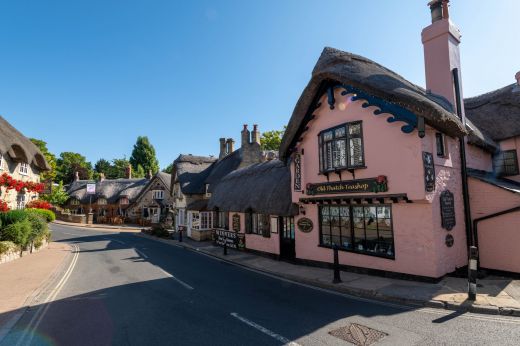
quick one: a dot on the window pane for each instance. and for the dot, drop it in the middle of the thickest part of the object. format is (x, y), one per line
(327, 136)
(354, 129)
(324, 210)
(328, 155)
(356, 152)
(340, 153)
(340, 132)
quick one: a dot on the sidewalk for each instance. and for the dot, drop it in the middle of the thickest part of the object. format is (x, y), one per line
(496, 295)
(112, 228)
(23, 278)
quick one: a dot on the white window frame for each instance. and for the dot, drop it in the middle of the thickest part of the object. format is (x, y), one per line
(158, 194)
(206, 220)
(1, 162)
(20, 201)
(24, 168)
(102, 201)
(181, 219)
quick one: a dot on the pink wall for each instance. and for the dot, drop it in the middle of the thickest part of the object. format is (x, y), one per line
(512, 144)
(498, 237)
(478, 158)
(258, 242)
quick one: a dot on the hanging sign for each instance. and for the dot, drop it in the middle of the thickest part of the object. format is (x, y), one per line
(297, 172)
(429, 171)
(447, 210)
(235, 223)
(91, 189)
(232, 239)
(379, 184)
(305, 225)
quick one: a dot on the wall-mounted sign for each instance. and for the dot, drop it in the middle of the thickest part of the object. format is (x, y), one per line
(449, 240)
(297, 172)
(91, 189)
(379, 184)
(429, 171)
(305, 225)
(235, 223)
(232, 239)
(447, 210)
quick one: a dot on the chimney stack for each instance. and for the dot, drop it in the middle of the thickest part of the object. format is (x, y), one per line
(222, 153)
(128, 172)
(230, 145)
(76, 176)
(101, 176)
(246, 136)
(149, 175)
(441, 41)
(255, 135)
(516, 89)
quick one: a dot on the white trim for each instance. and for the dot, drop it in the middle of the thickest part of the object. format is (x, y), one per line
(23, 169)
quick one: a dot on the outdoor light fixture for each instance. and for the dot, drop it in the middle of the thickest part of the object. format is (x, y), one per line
(301, 208)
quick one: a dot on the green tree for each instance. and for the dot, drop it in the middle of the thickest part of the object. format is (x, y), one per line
(49, 157)
(58, 196)
(168, 169)
(102, 166)
(143, 155)
(119, 167)
(271, 140)
(68, 163)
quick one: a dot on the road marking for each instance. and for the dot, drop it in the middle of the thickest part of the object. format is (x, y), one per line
(30, 331)
(264, 330)
(140, 253)
(71, 233)
(174, 278)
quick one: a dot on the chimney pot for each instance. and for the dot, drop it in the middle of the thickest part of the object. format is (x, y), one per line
(230, 145)
(128, 172)
(246, 136)
(439, 10)
(149, 175)
(255, 135)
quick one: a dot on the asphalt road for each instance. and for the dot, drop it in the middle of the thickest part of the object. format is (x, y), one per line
(122, 289)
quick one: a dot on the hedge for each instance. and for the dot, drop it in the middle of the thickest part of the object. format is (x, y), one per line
(48, 215)
(18, 232)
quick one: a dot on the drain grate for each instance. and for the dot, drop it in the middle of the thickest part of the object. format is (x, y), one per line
(358, 334)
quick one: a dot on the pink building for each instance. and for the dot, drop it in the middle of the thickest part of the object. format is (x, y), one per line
(376, 169)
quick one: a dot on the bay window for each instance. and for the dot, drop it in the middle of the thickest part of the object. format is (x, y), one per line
(341, 147)
(365, 229)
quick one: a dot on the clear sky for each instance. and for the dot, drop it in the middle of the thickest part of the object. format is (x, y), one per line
(89, 76)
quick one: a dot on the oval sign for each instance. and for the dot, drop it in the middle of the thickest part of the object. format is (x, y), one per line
(305, 225)
(449, 240)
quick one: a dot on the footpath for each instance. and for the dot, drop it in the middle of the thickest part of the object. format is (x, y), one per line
(23, 279)
(496, 295)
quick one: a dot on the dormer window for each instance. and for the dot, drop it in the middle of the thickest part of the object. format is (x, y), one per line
(341, 147)
(24, 168)
(123, 201)
(74, 201)
(208, 194)
(158, 194)
(1, 161)
(505, 163)
(102, 201)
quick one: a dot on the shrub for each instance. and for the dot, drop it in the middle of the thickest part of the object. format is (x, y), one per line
(6, 246)
(48, 215)
(18, 232)
(12, 216)
(38, 204)
(160, 232)
(38, 229)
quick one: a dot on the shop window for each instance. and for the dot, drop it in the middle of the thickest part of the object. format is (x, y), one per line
(194, 218)
(24, 168)
(365, 229)
(258, 224)
(206, 220)
(287, 228)
(341, 147)
(221, 220)
(440, 143)
(158, 194)
(505, 163)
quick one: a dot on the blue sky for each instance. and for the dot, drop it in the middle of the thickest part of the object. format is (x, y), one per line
(91, 76)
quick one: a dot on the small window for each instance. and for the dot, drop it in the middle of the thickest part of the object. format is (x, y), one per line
(20, 201)
(158, 194)
(221, 220)
(341, 147)
(74, 201)
(505, 163)
(24, 168)
(258, 224)
(123, 201)
(440, 142)
(206, 220)
(102, 201)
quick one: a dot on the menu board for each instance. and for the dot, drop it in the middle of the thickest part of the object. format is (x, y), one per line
(447, 210)
(429, 172)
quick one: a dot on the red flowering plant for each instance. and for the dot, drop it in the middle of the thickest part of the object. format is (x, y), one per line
(3, 207)
(12, 184)
(39, 204)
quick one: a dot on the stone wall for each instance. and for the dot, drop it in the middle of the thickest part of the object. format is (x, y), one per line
(15, 254)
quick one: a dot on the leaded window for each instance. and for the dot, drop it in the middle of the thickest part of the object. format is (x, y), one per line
(366, 229)
(288, 227)
(341, 147)
(206, 219)
(505, 163)
(258, 224)
(221, 220)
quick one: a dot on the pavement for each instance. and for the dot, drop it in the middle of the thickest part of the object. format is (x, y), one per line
(496, 295)
(22, 279)
(125, 289)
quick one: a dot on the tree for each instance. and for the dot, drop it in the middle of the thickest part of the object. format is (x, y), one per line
(49, 157)
(271, 140)
(143, 155)
(102, 166)
(168, 169)
(58, 196)
(119, 167)
(68, 163)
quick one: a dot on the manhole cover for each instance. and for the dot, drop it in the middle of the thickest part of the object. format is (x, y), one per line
(358, 334)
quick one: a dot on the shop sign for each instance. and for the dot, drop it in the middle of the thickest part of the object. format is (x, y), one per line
(297, 172)
(91, 189)
(233, 240)
(429, 171)
(379, 184)
(235, 223)
(305, 225)
(447, 210)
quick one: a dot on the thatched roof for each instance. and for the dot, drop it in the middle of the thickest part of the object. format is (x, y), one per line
(490, 178)
(263, 188)
(20, 148)
(110, 189)
(191, 172)
(223, 167)
(199, 204)
(496, 113)
(335, 66)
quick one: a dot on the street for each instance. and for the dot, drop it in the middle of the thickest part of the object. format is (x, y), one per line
(122, 289)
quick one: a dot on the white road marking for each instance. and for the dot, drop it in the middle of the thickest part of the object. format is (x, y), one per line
(30, 331)
(264, 330)
(140, 253)
(185, 285)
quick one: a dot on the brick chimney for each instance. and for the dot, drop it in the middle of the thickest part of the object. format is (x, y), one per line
(441, 42)
(246, 136)
(76, 176)
(255, 135)
(149, 175)
(230, 146)
(101, 176)
(516, 89)
(223, 148)
(128, 172)
(251, 150)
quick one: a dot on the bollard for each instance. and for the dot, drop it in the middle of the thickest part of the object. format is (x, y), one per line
(472, 273)
(337, 278)
(180, 235)
(225, 248)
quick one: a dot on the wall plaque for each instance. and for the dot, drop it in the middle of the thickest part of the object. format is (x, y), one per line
(379, 184)
(297, 172)
(235, 223)
(447, 210)
(232, 239)
(429, 171)
(305, 225)
(449, 240)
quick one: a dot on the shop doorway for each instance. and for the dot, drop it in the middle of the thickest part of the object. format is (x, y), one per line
(287, 241)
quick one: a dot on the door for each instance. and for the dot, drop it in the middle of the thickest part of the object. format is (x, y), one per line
(287, 241)
(155, 214)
